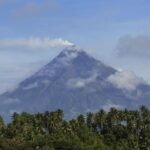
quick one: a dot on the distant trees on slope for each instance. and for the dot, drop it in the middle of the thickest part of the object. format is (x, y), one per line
(113, 130)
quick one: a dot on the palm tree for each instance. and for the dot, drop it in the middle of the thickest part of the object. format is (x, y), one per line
(112, 117)
(100, 119)
(90, 120)
(81, 120)
(2, 126)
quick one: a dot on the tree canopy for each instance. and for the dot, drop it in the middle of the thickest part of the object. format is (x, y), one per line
(113, 130)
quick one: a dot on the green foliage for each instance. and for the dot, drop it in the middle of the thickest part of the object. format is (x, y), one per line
(113, 130)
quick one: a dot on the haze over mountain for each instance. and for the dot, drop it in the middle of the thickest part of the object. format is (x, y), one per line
(77, 83)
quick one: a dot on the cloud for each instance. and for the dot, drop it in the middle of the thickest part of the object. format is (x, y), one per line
(80, 83)
(35, 43)
(31, 86)
(34, 7)
(125, 80)
(11, 74)
(138, 46)
(68, 56)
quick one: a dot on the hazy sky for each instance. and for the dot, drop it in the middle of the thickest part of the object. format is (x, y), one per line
(32, 32)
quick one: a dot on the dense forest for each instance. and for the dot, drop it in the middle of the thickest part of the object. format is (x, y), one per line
(113, 130)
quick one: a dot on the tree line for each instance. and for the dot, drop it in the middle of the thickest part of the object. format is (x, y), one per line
(113, 130)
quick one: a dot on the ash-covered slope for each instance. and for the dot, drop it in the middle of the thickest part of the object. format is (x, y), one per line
(74, 82)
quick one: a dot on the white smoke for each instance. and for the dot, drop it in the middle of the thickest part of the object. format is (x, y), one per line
(35, 42)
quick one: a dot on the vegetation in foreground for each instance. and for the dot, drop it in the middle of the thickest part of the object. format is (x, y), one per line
(113, 130)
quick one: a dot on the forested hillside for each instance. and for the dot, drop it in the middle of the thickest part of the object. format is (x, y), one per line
(113, 130)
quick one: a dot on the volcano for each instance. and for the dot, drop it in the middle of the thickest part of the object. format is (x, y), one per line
(75, 82)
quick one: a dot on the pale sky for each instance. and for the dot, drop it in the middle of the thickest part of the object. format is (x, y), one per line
(32, 32)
